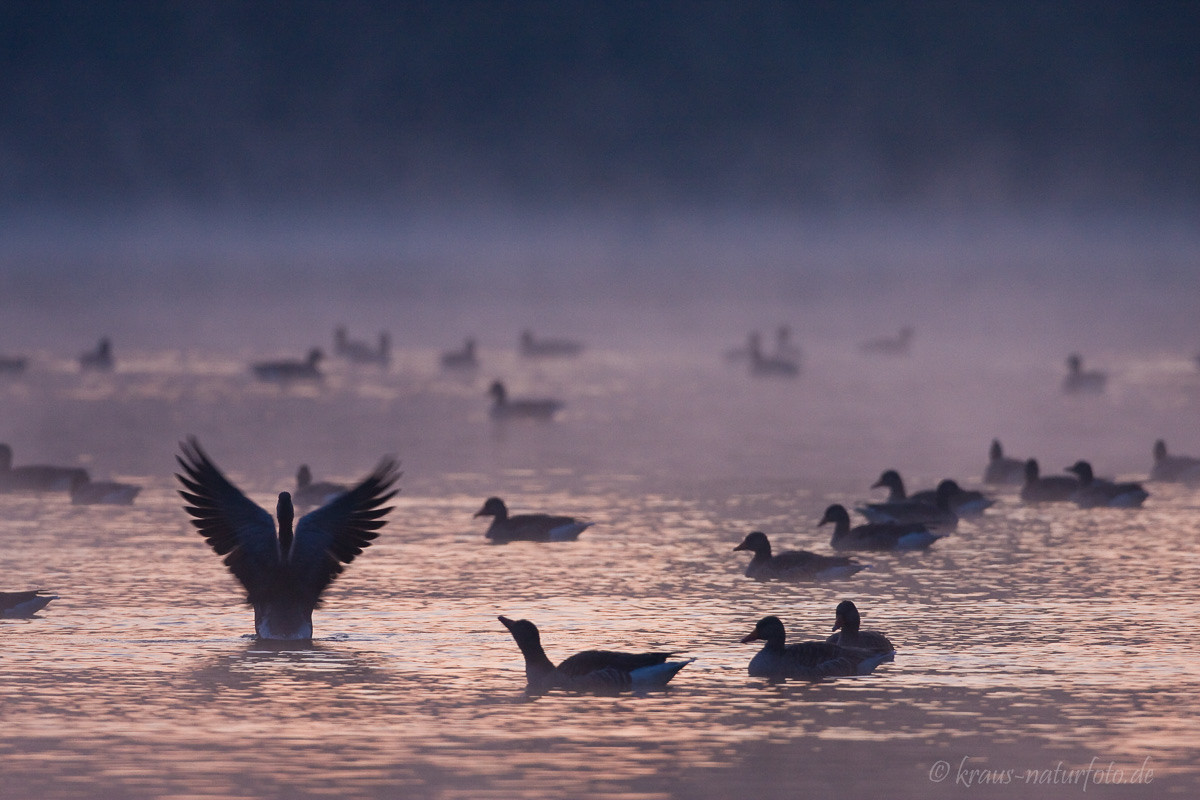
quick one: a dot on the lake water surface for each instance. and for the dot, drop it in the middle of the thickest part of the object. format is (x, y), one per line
(1042, 651)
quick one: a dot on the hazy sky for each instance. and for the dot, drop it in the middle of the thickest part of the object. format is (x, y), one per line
(555, 149)
(821, 106)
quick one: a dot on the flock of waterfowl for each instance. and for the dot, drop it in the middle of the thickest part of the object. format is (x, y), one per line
(285, 564)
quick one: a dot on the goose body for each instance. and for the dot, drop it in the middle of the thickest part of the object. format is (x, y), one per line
(314, 493)
(1169, 468)
(359, 352)
(506, 408)
(1002, 470)
(875, 535)
(18, 605)
(762, 365)
(528, 527)
(1094, 492)
(36, 477)
(291, 371)
(106, 493)
(532, 347)
(811, 661)
(847, 625)
(463, 359)
(1050, 489)
(100, 359)
(890, 346)
(1081, 381)
(916, 509)
(283, 571)
(10, 365)
(793, 564)
(599, 671)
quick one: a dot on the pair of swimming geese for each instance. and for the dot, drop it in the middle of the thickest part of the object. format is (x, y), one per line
(74, 480)
(1083, 487)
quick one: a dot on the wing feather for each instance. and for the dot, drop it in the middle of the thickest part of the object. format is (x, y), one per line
(337, 532)
(232, 524)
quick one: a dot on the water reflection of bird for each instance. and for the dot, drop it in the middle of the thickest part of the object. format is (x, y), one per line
(290, 371)
(793, 564)
(1169, 468)
(14, 605)
(36, 477)
(597, 671)
(1081, 381)
(505, 408)
(359, 352)
(1048, 489)
(805, 660)
(1094, 492)
(106, 493)
(532, 347)
(528, 527)
(463, 359)
(847, 624)
(284, 572)
(100, 359)
(1002, 470)
(875, 535)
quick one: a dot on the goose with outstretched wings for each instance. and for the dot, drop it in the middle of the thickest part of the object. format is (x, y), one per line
(284, 571)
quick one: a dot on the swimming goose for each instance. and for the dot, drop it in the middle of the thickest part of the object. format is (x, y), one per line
(37, 477)
(283, 573)
(310, 493)
(289, 371)
(1079, 380)
(876, 535)
(1002, 469)
(461, 359)
(548, 348)
(503, 408)
(10, 365)
(1094, 492)
(767, 366)
(792, 564)
(106, 493)
(811, 661)
(601, 671)
(847, 624)
(361, 352)
(1051, 489)
(936, 514)
(888, 346)
(1168, 468)
(15, 605)
(528, 527)
(100, 359)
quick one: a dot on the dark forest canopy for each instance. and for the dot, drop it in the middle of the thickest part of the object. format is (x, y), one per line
(794, 104)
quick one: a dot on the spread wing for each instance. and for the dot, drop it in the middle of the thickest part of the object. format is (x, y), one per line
(232, 524)
(337, 532)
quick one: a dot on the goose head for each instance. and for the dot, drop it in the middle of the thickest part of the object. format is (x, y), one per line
(303, 476)
(756, 542)
(996, 452)
(493, 507)
(1031, 470)
(890, 478)
(1160, 450)
(836, 514)
(498, 392)
(769, 629)
(1084, 470)
(1074, 363)
(846, 617)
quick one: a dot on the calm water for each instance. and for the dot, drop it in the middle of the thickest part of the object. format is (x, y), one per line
(1032, 639)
